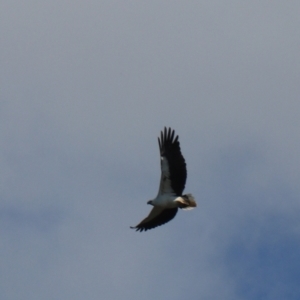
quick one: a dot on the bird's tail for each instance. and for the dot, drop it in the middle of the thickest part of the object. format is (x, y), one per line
(186, 202)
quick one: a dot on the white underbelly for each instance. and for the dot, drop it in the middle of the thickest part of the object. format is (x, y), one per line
(166, 201)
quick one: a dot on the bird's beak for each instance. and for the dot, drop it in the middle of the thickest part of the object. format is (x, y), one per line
(149, 202)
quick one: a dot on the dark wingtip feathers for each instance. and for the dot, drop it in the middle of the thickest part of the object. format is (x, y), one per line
(167, 137)
(164, 217)
(140, 229)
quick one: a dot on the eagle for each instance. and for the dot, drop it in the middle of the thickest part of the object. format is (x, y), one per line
(172, 184)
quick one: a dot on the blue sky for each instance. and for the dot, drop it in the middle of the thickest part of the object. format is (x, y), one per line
(86, 88)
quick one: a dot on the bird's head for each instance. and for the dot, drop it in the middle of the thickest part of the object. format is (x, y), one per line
(150, 202)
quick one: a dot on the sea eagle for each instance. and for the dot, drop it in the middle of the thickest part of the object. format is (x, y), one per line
(172, 183)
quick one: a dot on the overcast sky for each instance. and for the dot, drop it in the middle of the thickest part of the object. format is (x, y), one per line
(86, 87)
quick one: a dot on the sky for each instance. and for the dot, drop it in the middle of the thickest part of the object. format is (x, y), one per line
(86, 88)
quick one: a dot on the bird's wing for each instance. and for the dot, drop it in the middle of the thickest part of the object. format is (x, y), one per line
(173, 167)
(158, 216)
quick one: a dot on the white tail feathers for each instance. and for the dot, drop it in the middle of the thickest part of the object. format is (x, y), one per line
(186, 202)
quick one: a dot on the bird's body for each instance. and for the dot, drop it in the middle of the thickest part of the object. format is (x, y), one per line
(165, 201)
(172, 183)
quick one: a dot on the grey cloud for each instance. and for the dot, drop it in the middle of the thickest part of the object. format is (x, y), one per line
(86, 88)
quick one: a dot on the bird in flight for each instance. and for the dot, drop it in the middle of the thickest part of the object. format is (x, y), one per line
(172, 183)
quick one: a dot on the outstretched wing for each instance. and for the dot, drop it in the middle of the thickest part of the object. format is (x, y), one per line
(173, 166)
(158, 216)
